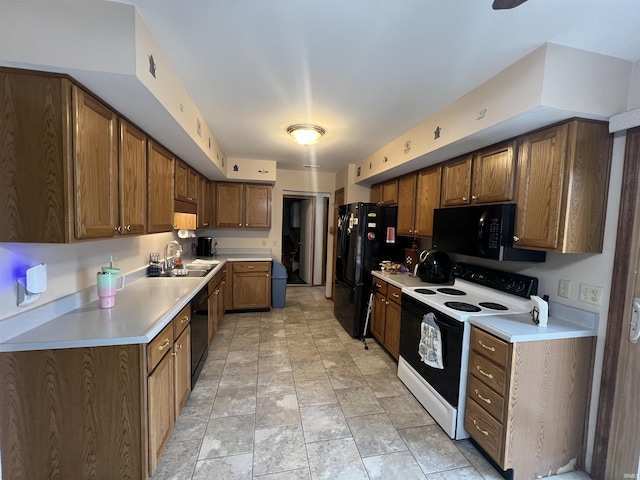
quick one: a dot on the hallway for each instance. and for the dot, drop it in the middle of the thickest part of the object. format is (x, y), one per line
(288, 394)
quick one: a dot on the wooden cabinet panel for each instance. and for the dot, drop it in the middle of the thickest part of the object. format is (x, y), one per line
(161, 410)
(488, 372)
(563, 177)
(133, 180)
(160, 187)
(375, 194)
(251, 285)
(182, 369)
(390, 192)
(490, 400)
(494, 174)
(181, 321)
(496, 350)
(484, 429)
(427, 200)
(406, 204)
(214, 305)
(378, 314)
(257, 206)
(193, 186)
(181, 180)
(204, 204)
(35, 152)
(73, 413)
(229, 205)
(159, 346)
(95, 163)
(456, 181)
(392, 329)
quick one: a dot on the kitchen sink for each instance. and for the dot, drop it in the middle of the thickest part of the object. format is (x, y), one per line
(185, 273)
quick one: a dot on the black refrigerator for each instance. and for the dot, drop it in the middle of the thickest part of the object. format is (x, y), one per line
(366, 236)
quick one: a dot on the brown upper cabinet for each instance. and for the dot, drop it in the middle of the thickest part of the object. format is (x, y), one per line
(486, 176)
(418, 196)
(66, 178)
(563, 178)
(193, 186)
(181, 181)
(204, 203)
(133, 180)
(160, 173)
(375, 194)
(240, 205)
(385, 193)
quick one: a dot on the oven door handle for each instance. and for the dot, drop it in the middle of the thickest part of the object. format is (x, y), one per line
(481, 223)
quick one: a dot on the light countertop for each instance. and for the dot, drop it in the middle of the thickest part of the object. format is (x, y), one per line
(143, 308)
(520, 328)
(400, 279)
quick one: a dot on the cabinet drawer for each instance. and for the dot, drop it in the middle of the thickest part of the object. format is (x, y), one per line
(487, 372)
(486, 398)
(491, 347)
(484, 429)
(159, 346)
(394, 294)
(379, 286)
(181, 321)
(251, 267)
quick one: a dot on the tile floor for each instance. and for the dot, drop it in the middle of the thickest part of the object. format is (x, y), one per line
(289, 395)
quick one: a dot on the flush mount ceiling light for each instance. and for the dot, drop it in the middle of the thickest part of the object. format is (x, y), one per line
(306, 134)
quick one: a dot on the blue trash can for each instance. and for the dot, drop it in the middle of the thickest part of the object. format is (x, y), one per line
(278, 285)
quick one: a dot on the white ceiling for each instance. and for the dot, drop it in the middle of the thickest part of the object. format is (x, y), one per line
(365, 70)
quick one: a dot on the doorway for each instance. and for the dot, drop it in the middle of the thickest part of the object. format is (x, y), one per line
(298, 219)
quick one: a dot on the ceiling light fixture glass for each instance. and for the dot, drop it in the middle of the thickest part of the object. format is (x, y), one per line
(305, 134)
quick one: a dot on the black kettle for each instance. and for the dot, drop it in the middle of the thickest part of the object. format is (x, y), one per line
(434, 267)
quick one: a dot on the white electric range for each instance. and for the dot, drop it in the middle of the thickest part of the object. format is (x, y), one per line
(475, 291)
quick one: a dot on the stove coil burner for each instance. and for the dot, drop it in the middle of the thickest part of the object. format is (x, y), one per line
(424, 291)
(451, 291)
(493, 306)
(462, 306)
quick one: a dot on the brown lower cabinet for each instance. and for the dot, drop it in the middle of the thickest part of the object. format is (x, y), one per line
(527, 402)
(251, 285)
(385, 315)
(94, 412)
(216, 302)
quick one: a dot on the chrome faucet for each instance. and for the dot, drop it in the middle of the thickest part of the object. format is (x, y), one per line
(167, 249)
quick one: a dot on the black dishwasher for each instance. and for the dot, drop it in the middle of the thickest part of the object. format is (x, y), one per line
(199, 332)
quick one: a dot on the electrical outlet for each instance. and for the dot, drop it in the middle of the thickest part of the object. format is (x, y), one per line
(564, 288)
(590, 294)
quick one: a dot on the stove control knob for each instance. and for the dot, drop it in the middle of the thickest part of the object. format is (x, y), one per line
(520, 286)
(510, 283)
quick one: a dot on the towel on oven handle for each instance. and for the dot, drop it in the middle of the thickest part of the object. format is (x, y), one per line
(430, 347)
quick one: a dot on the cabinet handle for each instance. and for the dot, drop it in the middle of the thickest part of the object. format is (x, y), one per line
(516, 238)
(484, 432)
(184, 319)
(487, 347)
(378, 285)
(128, 228)
(164, 345)
(180, 345)
(395, 295)
(239, 224)
(216, 292)
(206, 224)
(488, 375)
(250, 267)
(464, 199)
(473, 197)
(486, 400)
(174, 354)
(386, 303)
(118, 229)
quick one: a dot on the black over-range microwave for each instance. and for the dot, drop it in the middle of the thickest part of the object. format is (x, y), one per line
(484, 231)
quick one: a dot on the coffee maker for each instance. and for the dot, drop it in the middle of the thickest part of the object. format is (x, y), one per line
(206, 247)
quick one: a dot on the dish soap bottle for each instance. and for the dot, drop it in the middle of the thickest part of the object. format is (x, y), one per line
(177, 261)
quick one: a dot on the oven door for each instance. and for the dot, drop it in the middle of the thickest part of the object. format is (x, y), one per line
(445, 381)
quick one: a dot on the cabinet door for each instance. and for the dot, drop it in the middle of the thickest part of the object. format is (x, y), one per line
(229, 205)
(375, 195)
(251, 290)
(221, 298)
(160, 189)
(257, 206)
(213, 309)
(161, 412)
(406, 204)
(182, 369)
(95, 164)
(193, 186)
(541, 161)
(494, 174)
(204, 203)
(378, 315)
(456, 181)
(133, 180)
(181, 181)
(427, 200)
(392, 329)
(390, 192)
